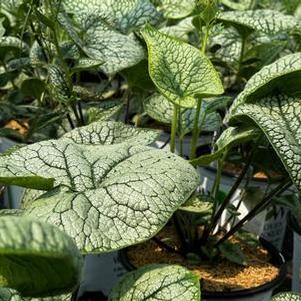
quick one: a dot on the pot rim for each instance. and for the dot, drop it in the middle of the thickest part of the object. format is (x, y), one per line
(277, 259)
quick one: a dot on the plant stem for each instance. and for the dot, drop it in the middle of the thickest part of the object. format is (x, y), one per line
(174, 126)
(205, 41)
(70, 121)
(229, 196)
(266, 201)
(243, 45)
(195, 133)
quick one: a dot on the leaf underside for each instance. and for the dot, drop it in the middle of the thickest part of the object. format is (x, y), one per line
(279, 119)
(282, 76)
(36, 258)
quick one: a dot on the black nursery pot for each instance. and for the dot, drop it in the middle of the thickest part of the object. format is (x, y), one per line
(260, 293)
(296, 262)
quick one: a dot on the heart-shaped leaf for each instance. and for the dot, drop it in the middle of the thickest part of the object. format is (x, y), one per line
(158, 282)
(261, 20)
(109, 196)
(124, 16)
(279, 118)
(118, 51)
(177, 9)
(105, 27)
(287, 296)
(37, 259)
(160, 109)
(180, 71)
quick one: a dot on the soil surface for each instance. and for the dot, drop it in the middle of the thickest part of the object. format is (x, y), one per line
(219, 276)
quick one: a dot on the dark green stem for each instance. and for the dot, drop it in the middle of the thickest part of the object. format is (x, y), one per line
(226, 201)
(174, 126)
(265, 202)
(195, 133)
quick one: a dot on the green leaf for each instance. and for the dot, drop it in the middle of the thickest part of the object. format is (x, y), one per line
(86, 64)
(198, 204)
(45, 20)
(238, 5)
(287, 296)
(278, 118)
(176, 9)
(180, 30)
(158, 282)
(12, 43)
(112, 191)
(33, 87)
(124, 16)
(231, 137)
(2, 28)
(160, 109)
(282, 76)
(7, 294)
(229, 45)
(180, 71)
(36, 258)
(104, 111)
(59, 87)
(232, 252)
(261, 20)
(116, 50)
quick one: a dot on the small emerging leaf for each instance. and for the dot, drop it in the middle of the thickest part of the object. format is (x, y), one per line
(233, 253)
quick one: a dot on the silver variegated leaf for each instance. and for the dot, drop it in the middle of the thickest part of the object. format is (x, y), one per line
(287, 296)
(238, 5)
(230, 45)
(160, 109)
(279, 118)
(180, 71)
(122, 15)
(261, 20)
(177, 9)
(282, 76)
(112, 191)
(179, 30)
(7, 294)
(158, 283)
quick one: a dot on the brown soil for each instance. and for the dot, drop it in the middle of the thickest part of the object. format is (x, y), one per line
(235, 169)
(21, 127)
(221, 276)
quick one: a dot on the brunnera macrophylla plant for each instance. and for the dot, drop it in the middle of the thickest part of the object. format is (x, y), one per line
(102, 184)
(183, 75)
(268, 106)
